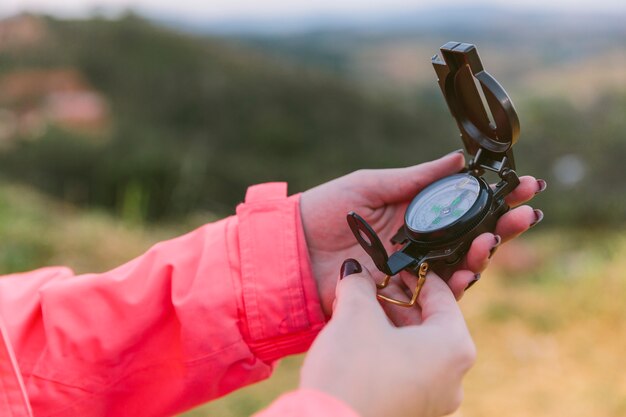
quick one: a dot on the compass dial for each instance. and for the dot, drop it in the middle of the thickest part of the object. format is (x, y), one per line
(442, 203)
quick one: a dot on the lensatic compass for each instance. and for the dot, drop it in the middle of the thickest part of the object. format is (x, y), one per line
(445, 217)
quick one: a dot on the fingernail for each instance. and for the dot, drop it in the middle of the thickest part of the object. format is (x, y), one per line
(497, 241)
(542, 185)
(350, 266)
(460, 150)
(472, 282)
(538, 217)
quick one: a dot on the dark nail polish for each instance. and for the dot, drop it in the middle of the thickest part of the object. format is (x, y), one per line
(538, 217)
(350, 266)
(472, 282)
(542, 185)
(460, 150)
(497, 241)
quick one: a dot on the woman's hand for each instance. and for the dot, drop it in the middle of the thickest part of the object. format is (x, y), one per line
(381, 198)
(382, 370)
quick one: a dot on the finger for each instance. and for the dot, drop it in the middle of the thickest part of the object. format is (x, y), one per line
(356, 295)
(401, 316)
(510, 225)
(461, 281)
(528, 187)
(517, 221)
(439, 307)
(458, 282)
(401, 184)
(481, 250)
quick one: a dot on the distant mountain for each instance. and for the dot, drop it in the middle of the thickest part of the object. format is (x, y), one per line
(477, 16)
(388, 51)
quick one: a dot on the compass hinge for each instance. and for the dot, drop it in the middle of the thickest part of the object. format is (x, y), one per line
(510, 180)
(399, 261)
(492, 161)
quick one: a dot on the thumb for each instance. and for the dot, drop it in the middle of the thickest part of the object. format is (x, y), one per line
(356, 292)
(439, 306)
(396, 185)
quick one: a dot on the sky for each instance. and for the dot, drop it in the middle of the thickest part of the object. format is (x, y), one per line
(234, 9)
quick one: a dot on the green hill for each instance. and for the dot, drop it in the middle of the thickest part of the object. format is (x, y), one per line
(192, 121)
(195, 121)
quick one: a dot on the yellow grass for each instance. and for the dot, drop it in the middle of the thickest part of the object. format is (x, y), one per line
(551, 342)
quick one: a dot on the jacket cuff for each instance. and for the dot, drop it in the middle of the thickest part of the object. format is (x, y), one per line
(280, 299)
(307, 403)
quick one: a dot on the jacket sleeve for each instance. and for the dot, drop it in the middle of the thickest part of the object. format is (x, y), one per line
(190, 320)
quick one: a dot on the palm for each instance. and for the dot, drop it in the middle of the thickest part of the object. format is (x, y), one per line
(330, 240)
(341, 243)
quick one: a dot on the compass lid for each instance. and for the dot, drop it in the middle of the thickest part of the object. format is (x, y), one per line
(460, 72)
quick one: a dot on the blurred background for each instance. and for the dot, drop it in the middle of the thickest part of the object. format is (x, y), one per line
(126, 122)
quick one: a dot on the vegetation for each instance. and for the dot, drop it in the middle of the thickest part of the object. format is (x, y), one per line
(196, 120)
(38, 231)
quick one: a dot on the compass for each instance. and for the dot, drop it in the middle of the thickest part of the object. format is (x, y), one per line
(442, 220)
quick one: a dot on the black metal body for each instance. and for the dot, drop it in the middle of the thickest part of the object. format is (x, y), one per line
(489, 143)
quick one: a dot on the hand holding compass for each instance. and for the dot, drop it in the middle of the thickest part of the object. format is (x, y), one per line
(381, 197)
(443, 220)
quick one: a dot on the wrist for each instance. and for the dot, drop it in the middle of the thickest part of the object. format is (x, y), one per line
(325, 287)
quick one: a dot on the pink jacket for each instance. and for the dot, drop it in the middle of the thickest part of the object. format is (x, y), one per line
(192, 319)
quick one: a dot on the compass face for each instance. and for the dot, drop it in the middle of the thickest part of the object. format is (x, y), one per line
(442, 203)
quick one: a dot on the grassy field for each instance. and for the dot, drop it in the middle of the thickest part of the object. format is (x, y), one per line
(548, 318)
